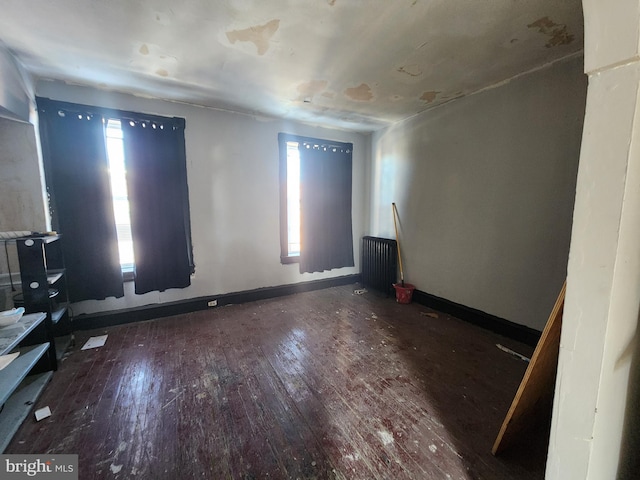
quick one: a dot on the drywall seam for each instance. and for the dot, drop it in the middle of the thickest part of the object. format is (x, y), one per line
(614, 66)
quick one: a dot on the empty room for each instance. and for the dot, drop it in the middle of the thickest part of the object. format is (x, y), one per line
(337, 239)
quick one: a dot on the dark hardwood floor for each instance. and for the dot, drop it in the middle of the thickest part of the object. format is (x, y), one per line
(324, 384)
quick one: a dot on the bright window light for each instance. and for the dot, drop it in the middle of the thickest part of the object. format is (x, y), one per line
(117, 172)
(293, 199)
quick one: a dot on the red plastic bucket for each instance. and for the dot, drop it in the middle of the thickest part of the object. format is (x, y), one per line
(404, 293)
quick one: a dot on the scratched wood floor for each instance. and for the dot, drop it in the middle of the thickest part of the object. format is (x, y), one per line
(325, 384)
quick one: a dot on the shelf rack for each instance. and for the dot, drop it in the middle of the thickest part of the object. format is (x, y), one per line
(18, 389)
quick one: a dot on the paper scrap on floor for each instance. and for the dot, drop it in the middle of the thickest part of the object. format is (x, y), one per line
(515, 354)
(7, 359)
(42, 413)
(95, 342)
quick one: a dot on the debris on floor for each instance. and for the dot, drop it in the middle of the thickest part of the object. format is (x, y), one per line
(363, 408)
(360, 291)
(430, 314)
(511, 352)
(95, 342)
(174, 398)
(42, 413)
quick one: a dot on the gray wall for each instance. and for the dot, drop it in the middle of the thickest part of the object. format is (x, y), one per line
(232, 170)
(21, 189)
(484, 188)
(15, 88)
(22, 205)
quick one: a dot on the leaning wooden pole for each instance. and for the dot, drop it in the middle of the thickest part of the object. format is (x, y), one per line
(395, 225)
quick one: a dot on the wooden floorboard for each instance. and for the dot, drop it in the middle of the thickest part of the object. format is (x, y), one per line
(323, 384)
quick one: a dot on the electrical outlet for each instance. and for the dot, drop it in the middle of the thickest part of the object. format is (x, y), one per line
(212, 303)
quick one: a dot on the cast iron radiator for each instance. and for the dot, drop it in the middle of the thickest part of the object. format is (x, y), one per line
(379, 263)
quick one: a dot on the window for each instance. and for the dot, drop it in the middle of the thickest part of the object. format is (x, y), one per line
(117, 174)
(118, 193)
(315, 203)
(290, 243)
(293, 200)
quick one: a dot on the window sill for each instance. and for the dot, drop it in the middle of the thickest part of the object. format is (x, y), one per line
(289, 260)
(127, 276)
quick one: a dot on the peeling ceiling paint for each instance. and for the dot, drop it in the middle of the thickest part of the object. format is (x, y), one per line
(558, 33)
(411, 70)
(356, 64)
(429, 97)
(259, 35)
(361, 93)
(308, 89)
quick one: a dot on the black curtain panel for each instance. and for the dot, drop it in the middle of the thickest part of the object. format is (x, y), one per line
(325, 207)
(158, 200)
(76, 170)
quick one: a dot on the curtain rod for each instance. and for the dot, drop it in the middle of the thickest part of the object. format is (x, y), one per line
(106, 112)
(326, 146)
(288, 137)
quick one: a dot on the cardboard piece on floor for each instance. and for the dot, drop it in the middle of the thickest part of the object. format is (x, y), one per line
(7, 359)
(538, 383)
(95, 342)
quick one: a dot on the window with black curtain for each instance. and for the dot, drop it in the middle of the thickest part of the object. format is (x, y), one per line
(78, 183)
(315, 203)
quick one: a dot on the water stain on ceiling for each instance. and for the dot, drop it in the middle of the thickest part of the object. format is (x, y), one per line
(356, 64)
(361, 93)
(430, 96)
(259, 35)
(308, 89)
(557, 33)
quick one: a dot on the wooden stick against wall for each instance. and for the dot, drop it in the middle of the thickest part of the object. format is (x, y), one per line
(538, 382)
(395, 214)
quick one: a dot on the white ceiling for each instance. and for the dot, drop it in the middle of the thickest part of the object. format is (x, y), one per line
(355, 64)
